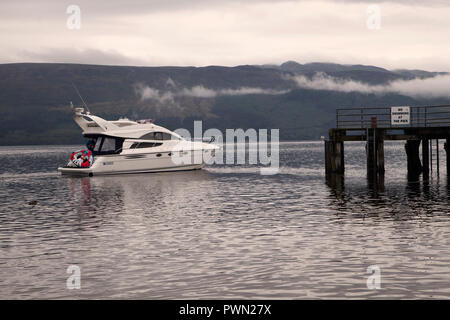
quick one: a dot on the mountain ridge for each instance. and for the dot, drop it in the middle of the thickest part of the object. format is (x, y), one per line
(34, 97)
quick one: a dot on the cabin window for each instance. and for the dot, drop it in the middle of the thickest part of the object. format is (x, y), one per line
(158, 136)
(167, 136)
(109, 144)
(148, 136)
(98, 143)
(139, 145)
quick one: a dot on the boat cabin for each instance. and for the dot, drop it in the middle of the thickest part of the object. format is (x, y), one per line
(105, 145)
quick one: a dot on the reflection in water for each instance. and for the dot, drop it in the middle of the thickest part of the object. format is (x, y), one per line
(80, 191)
(223, 232)
(127, 193)
(336, 182)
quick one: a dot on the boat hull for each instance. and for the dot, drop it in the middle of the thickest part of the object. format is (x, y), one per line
(90, 173)
(136, 163)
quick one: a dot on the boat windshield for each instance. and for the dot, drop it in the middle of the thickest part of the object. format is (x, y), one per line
(98, 144)
(108, 145)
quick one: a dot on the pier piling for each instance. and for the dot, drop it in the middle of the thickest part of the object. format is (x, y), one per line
(375, 152)
(412, 152)
(447, 151)
(334, 157)
(426, 158)
(415, 125)
(437, 156)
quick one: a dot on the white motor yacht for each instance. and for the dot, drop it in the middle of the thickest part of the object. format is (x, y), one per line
(126, 146)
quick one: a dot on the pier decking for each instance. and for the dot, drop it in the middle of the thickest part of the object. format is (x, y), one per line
(424, 125)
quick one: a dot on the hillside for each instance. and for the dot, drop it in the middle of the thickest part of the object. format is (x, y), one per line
(34, 98)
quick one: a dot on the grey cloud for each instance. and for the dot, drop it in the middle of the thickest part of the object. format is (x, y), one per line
(86, 56)
(148, 93)
(10, 8)
(99, 8)
(168, 96)
(406, 2)
(224, 32)
(202, 92)
(430, 87)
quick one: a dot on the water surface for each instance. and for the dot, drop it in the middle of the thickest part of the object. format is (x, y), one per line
(222, 232)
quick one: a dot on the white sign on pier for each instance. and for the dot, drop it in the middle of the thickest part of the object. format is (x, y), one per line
(400, 115)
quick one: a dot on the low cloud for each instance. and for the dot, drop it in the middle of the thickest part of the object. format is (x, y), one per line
(248, 90)
(198, 92)
(202, 92)
(435, 87)
(438, 86)
(147, 93)
(168, 96)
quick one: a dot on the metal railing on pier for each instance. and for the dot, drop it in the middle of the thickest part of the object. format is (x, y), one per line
(424, 116)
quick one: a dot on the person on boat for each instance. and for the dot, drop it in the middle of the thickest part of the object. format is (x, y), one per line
(91, 144)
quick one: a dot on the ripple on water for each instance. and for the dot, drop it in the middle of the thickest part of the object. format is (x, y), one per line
(223, 232)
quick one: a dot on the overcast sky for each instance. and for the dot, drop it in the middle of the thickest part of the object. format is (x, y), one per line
(411, 34)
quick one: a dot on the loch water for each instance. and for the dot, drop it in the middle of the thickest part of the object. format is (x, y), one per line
(224, 232)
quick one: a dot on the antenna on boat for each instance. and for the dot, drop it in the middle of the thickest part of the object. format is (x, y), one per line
(84, 103)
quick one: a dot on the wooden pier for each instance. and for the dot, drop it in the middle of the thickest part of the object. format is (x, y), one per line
(425, 125)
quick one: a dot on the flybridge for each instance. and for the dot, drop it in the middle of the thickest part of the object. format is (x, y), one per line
(93, 125)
